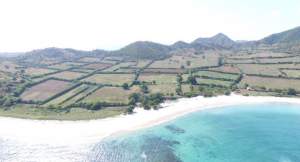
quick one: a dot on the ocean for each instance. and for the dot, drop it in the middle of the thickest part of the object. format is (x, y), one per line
(268, 132)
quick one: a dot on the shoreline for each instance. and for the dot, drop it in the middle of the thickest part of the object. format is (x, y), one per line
(57, 132)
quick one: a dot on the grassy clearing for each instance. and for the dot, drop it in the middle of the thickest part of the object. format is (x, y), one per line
(69, 75)
(114, 79)
(62, 98)
(28, 112)
(111, 95)
(158, 78)
(274, 83)
(44, 90)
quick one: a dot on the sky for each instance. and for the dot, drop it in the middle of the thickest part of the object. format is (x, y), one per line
(112, 24)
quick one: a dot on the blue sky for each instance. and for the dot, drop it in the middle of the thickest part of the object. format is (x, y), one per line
(111, 24)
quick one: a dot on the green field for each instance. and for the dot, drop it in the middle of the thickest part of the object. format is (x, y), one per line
(111, 95)
(59, 100)
(114, 79)
(214, 82)
(273, 83)
(216, 75)
(158, 78)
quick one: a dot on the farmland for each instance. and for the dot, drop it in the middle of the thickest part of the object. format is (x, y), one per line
(114, 79)
(44, 90)
(98, 86)
(69, 75)
(111, 95)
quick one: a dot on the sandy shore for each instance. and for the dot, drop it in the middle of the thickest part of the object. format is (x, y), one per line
(76, 132)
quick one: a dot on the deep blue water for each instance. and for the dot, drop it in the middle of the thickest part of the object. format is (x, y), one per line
(243, 133)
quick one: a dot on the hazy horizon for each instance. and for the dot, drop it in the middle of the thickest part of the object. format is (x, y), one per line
(110, 25)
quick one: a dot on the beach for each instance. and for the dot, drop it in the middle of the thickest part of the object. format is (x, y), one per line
(77, 132)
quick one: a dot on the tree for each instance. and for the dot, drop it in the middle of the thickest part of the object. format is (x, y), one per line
(192, 80)
(188, 63)
(179, 78)
(130, 109)
(125, 86)
(291, 92)
(134, 98)
(178, 89)
(144, 88)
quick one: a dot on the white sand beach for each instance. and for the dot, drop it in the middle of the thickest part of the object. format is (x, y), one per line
(79, 133)
(84, 131)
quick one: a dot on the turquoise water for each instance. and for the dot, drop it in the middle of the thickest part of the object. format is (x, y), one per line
(243, 133)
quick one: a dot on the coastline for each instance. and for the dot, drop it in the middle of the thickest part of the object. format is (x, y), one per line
(83, 132)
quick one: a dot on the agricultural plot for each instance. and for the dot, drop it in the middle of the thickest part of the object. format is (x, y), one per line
(260, 69)
(213, 82)
(126, 70)
(212, 74)
(158, 78)
(114, 79)
(44, 90)
(118, 66)
(69, 75)
(266, 69)
(292, 73)
(32, 71)
(160, 70)
(280, 60)
(4, 77)
(227, 69)
(273, 83)
(242, 61)
(259, 55)
(80, 96)
(98, 66)
(141, 64)
(61, 66)
(7, 66)
(193, 61)
(59, 100)
(165, 89)
(90, 59)
(116, 95)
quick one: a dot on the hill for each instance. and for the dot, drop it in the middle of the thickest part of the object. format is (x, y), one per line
(218, 41)
(143, 50)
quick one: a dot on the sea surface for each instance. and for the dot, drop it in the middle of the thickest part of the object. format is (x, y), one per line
(268, 132)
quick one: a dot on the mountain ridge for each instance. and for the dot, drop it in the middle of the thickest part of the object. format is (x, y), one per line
(289, 39)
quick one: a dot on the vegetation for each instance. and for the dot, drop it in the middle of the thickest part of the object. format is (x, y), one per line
(56, 83)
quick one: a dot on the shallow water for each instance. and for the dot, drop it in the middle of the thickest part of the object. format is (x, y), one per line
(248, 133)
(267, 132)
